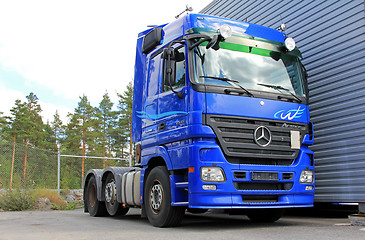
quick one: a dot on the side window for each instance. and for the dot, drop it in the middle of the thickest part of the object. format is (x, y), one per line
(180, 69)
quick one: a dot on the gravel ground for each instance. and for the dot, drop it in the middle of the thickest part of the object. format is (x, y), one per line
(78, 225)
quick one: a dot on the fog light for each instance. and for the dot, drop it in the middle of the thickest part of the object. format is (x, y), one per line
(306, 176)
(212, 174)
(209, 187)
(308, 188)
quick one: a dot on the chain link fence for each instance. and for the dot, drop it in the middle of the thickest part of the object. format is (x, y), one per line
(30, 167)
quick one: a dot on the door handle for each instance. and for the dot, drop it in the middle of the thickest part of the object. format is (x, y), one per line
(161, 126)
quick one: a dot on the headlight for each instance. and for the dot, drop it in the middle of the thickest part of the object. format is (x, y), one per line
(289, 44)
(212, 174)
(306, 176)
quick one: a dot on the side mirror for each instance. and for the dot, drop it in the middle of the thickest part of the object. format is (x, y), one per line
(170, 57)
(305, 78)
(152, 40)
(169, 66)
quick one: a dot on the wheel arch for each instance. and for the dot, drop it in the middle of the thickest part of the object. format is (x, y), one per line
(155, 161)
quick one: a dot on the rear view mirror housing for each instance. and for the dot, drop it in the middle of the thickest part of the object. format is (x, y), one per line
(152, 40)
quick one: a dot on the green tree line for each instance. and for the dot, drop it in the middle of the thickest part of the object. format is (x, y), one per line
(103, 130)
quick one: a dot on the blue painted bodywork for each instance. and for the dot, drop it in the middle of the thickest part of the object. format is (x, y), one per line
(186, 142)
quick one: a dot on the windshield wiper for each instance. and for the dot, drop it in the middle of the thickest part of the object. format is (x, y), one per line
(276, 87)
(229, 81)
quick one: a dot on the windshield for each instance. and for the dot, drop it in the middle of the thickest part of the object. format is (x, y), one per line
(249, 67)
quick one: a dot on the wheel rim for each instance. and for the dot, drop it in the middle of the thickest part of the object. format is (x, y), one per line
(92, 195)
(156, 197)
(110, 192)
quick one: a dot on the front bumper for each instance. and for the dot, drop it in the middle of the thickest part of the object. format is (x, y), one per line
(239, 190)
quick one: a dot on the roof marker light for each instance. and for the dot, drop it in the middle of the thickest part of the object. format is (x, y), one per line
(290, 44)
(225, 31)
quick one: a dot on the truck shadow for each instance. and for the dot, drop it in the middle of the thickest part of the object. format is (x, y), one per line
(210, 221)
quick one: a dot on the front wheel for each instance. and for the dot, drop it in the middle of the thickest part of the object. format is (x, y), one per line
(157, 197)
(265, 215)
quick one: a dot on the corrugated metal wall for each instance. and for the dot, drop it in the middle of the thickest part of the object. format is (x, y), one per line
(331, 36)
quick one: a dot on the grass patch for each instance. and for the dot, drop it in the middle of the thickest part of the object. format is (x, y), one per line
(55, 199)
(17, 200)
(20, 200)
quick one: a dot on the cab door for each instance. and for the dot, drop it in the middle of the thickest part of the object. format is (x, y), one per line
(172, 109)
(150, 102)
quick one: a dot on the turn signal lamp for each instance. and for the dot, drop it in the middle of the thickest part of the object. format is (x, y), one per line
(209, 187)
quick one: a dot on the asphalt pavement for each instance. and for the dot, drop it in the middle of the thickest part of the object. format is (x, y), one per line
(78, 225)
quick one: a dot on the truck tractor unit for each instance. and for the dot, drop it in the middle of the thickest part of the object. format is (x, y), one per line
(220, 121)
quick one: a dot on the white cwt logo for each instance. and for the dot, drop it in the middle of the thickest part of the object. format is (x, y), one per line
(290, 114)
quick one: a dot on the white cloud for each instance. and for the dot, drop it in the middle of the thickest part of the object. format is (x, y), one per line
(78, 47)
(7, 99)
(49, 109)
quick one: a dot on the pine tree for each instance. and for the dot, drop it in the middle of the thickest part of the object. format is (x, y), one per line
(26, 126)
(57, 130)
(125, 118)
(106, 119)
(82, 128)
(4, 125)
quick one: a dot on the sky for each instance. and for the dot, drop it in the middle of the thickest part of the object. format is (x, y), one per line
(63, 49)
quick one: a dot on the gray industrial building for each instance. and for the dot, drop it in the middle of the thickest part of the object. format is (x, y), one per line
(331, 37)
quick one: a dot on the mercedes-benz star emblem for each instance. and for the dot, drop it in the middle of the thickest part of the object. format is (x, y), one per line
(262, 136)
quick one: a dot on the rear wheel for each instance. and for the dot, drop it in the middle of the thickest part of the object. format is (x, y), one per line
(96, 208)
(157, 197)
(265, 215)
(113, 207)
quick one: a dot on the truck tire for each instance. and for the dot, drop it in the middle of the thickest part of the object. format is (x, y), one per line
(96, 208)
(157, 200)
(265, 215)
(113, 207)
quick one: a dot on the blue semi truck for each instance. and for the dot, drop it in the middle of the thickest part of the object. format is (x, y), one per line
(220, 121)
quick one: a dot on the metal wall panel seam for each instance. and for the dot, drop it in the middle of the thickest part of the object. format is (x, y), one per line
(343, 76)
(262, 11)
(228, 7)
(215, 11)
(316, 19)
(355, 44)
(330, 72)
(210, 6)
(356, 159)
(349, 25)
(331, 36)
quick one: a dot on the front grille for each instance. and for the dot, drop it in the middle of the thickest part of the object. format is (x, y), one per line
(263, 186)
(260, 198)
(236, 137)
(239, 175)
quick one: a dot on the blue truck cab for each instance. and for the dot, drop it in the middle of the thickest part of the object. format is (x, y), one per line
(220, 121)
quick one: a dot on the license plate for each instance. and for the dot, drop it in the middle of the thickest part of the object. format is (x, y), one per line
(264, 176)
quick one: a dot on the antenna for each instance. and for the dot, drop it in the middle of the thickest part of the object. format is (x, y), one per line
(282, 26)
(188, 9)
